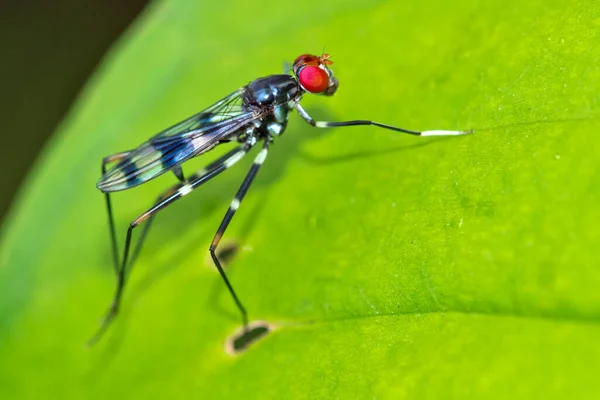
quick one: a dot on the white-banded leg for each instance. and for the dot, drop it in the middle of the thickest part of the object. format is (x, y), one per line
(171, 196)
(111, 222)
(233, 207)
(326, 124)
(173, 189)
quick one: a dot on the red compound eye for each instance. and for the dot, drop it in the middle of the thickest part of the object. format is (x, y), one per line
(313, 79)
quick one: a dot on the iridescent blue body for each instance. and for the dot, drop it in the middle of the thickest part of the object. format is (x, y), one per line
(258, 110)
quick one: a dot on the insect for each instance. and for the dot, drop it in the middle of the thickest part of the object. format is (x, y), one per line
(258, 112)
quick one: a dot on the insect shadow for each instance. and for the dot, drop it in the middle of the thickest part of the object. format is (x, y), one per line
(341, 158)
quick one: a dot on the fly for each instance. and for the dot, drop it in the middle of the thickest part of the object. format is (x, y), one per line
(258, 112)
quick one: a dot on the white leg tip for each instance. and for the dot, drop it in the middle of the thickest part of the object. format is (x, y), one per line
(446, 133)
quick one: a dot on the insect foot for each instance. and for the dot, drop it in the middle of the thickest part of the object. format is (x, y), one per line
(247, 335)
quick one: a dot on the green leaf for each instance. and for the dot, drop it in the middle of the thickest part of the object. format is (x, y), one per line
(390, 266)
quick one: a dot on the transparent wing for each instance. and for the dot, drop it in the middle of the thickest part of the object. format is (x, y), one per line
(177, 144)
(226, 108)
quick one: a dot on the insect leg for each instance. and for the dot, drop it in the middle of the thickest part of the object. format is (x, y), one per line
(111, 221)
(235, 203)
(325, 124)
(181, 191)
(169, 192)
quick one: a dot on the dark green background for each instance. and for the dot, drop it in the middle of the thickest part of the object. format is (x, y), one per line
(48, 49)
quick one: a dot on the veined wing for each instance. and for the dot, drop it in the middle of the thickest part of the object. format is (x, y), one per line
(177, 144)
(226, 108)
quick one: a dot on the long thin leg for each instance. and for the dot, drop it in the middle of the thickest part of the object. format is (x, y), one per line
(140, 242)
(326, 124)
(235, 204)
(179, 193)
(111, 222)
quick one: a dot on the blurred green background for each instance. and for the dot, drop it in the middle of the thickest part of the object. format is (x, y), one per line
(391, 266)
(49, 49)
